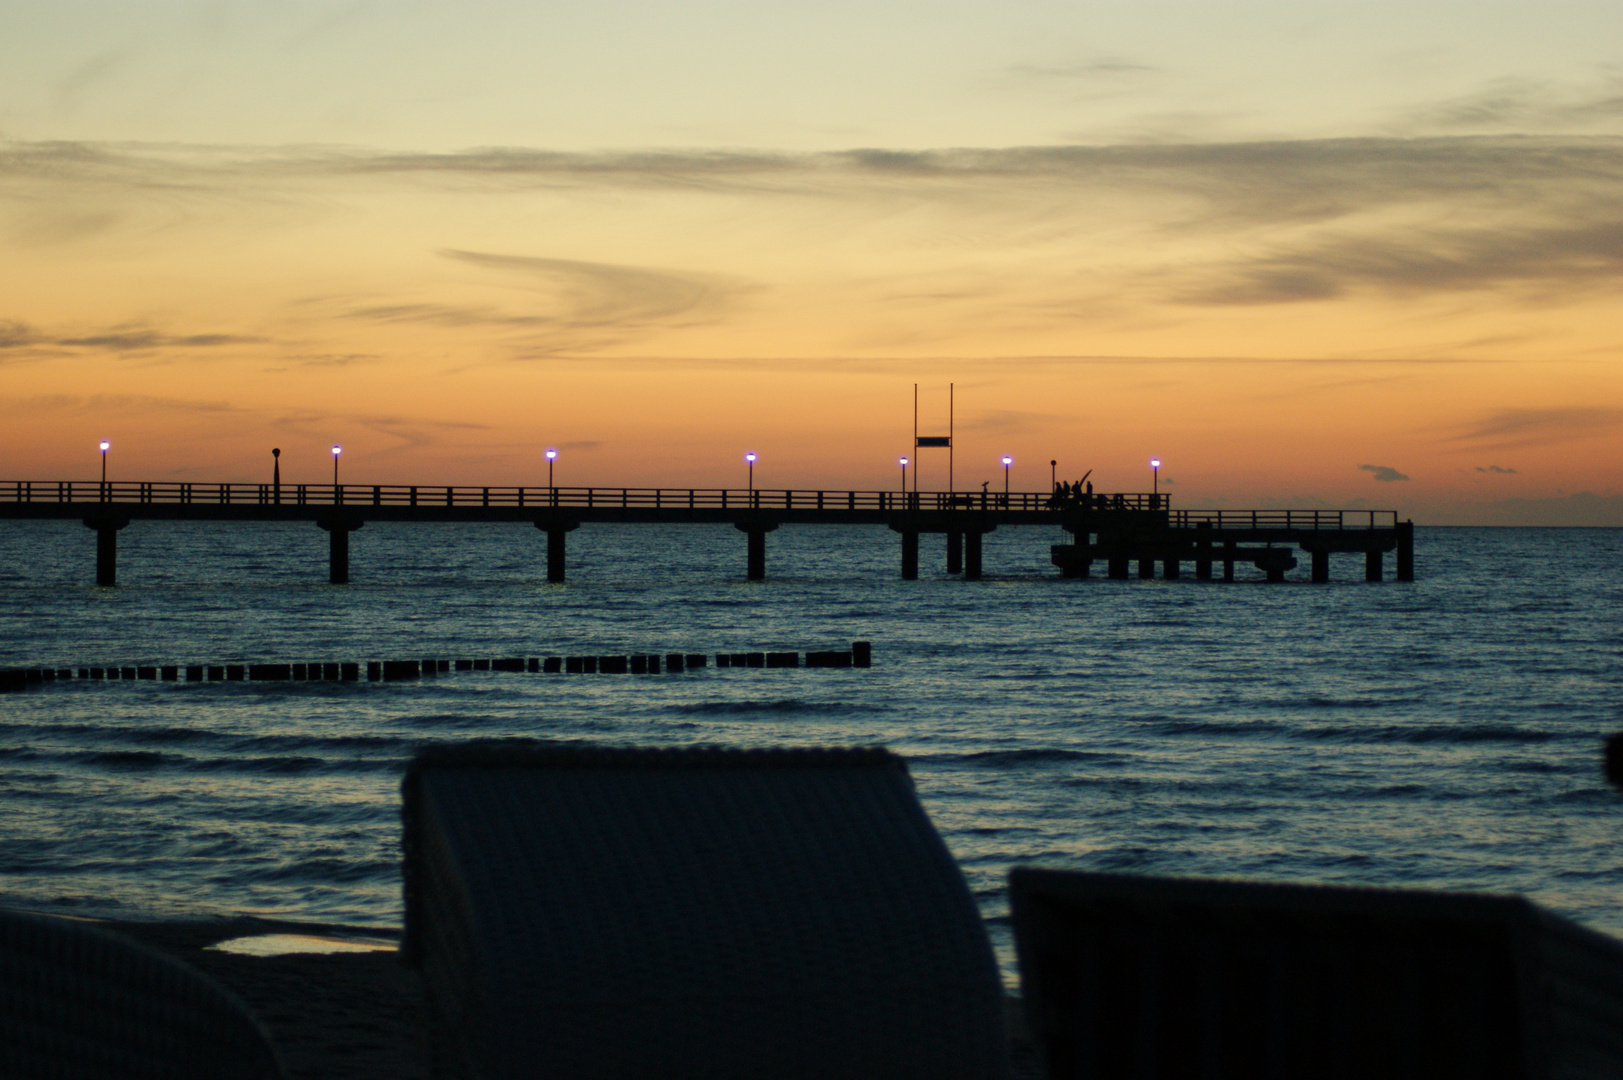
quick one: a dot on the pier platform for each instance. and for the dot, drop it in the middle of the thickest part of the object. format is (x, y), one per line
(1117, 529)
(1120, 538)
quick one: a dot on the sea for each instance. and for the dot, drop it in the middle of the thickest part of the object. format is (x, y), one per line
(1441, 734)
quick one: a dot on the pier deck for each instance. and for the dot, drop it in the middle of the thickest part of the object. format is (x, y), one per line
(1117, 529)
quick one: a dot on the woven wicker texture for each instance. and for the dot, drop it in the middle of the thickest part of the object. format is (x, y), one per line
(78, 1002)
(594, 912)
(1141, 976)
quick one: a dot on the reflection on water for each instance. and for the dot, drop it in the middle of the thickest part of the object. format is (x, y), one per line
(1441, 734)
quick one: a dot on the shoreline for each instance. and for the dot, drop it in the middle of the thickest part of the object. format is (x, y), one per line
(351, 1015)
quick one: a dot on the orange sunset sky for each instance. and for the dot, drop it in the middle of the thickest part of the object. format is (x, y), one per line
(1308, 254)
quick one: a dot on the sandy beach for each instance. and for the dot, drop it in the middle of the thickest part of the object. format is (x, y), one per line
(348, 1015)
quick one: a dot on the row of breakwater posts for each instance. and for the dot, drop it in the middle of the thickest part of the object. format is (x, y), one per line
(859, 655)
(1118, 530)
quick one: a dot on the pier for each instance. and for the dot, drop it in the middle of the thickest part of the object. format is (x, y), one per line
(1118, 530)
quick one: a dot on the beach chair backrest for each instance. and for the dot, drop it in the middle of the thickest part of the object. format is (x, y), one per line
(78, 1002)
(584, 911)
(1126, 975)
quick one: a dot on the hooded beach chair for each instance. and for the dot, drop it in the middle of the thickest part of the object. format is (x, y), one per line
(1127, 976)
(580, 911)
(81, 1003)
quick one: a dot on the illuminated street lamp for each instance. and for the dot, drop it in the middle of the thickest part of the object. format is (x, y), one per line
(1155, 478)
(336, 450)
(105, 446)
(1007, 461)
(904, 475)
(552, 455)
(749, 456)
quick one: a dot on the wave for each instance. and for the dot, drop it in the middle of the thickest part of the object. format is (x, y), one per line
(326, 870)
(1033, 754)
(1223, 727)
(1431, 733)
(781, 705)
(127, 759)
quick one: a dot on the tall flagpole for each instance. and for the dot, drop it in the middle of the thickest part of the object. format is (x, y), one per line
(915, 434)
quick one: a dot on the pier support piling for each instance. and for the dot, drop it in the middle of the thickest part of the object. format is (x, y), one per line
(106, 547)
(338, 530)
(1169, 569)
(1203, 552)
(1119, 567)
(756, 531)
(1229, 552)
(557, 544)
(955, 553)
(1146, 567)
(972, 556)
(1372, 564)
(1321, 566)
(1405, 532)
(757, 555)
(910, 555)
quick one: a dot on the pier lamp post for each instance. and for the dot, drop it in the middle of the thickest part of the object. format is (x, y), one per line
(105, 446)
(749, 456)
(1155, 483)
(276, 473)
(1053, 475)
(904, 475)
(552, 455)
(1007, 461)
(336, 450)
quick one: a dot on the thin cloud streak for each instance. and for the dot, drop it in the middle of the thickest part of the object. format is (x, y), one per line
(1512, 428)
(19, 335)
(602, 294)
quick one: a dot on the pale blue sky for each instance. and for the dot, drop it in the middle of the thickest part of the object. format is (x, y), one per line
(801, 76)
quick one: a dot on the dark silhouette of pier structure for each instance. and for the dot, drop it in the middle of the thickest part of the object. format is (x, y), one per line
(1118, 530)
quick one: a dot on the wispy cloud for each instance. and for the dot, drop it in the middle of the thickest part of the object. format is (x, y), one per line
(20, 341)
(1085, 69)
(574, 306)
(1385, 474)
(604, 294)
(118, 405)
(1511, 428)
(1519, 104)
(1496, 469)
(140, 340)
(1569, 256)
(97, 69)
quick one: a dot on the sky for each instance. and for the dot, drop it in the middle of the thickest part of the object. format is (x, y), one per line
(1314, 255)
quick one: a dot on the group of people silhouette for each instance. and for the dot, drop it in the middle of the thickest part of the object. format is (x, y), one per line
(1071, 496)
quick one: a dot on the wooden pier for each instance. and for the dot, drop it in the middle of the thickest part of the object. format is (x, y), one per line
(1116, 529)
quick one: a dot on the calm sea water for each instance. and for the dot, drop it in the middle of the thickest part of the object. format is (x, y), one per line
(1441, 734)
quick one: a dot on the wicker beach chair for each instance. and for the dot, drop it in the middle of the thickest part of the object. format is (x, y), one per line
(80, 1003)
(1143, 976)
(594, 912)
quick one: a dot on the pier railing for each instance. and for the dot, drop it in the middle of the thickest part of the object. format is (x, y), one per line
(1283, 519)
(129, 492)
(585, 498)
